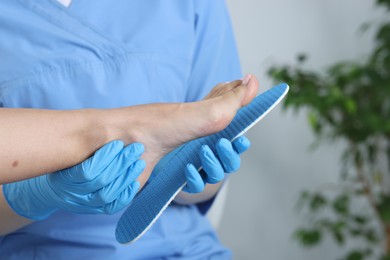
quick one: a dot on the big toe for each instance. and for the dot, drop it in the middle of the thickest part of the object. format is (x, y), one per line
(244, 93)
(251, 89)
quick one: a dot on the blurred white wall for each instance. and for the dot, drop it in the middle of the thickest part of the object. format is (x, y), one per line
(260, 213)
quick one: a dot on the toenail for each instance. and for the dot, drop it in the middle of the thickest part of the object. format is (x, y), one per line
(246, 79)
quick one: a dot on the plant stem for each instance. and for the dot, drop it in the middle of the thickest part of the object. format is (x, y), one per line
(387, 239)
(370, 197)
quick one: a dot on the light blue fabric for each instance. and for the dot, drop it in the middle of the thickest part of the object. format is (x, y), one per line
(104, 54)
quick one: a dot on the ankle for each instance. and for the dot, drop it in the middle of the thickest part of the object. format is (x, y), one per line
(120, 124)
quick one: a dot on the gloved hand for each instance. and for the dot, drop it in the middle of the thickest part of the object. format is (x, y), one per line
(214, 167)
(104, 183)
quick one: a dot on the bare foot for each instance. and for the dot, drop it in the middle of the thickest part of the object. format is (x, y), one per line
(163, 127)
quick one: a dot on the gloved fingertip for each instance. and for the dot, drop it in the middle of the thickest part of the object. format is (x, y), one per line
(105, 154)
(117, 143)
(111, 208)
(235, 165)
(134, 149)
(129, 194)
(141, 165)
(136, 169)
(190, 166)
(241, 144)
(232, 164)
(195, 183)
(123, 199)
(135, 186)
(115, 146)
(218, 175)
(139, 147)
(228, 156)
(208, 156)
(189, 173)
(223, 142)
(244, 141)
(205, 149)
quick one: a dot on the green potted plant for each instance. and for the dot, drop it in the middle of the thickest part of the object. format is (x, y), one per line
(349, 102)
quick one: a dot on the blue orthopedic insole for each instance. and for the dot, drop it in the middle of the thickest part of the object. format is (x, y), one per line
(156, 195)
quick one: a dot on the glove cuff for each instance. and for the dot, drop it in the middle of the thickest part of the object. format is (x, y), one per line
(27, 198)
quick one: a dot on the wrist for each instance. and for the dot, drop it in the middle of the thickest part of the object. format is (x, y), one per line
(27, 198)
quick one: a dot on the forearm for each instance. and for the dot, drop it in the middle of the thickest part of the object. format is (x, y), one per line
(34, 141)
(209, 191)
(9, 220)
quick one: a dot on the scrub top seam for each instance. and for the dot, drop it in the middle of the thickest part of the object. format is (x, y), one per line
(81, 30)
(88, 27)
(77, 19)
(118, 60)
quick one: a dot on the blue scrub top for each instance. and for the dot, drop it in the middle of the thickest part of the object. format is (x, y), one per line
(105, 54)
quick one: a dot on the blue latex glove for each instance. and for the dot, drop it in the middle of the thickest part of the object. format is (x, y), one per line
(104, 183)
(214, 167)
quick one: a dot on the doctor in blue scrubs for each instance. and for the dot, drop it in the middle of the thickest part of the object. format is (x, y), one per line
(109, 54)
